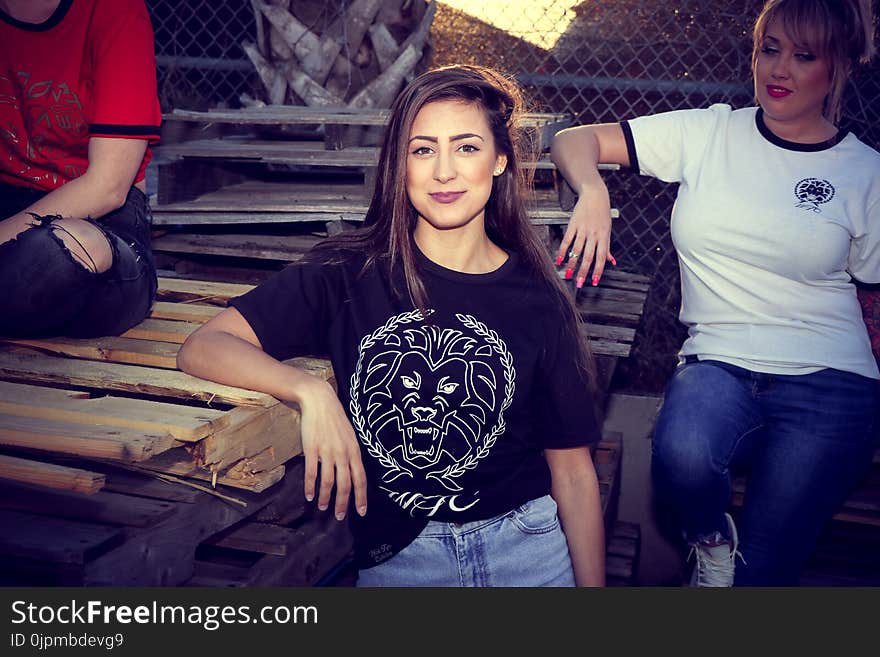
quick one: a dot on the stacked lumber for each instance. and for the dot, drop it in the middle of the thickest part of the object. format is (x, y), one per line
(121, 400)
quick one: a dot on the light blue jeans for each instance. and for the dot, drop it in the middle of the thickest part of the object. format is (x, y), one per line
(524, 547)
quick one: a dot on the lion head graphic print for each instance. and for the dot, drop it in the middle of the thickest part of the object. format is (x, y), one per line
(428, 404)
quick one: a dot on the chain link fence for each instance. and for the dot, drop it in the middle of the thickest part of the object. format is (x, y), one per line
(598, 60)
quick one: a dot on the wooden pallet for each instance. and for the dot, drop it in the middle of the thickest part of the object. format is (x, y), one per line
(255, 201)
(142, 531)
(335, 120)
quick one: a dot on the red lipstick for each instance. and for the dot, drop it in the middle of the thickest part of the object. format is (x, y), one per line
(775, 91)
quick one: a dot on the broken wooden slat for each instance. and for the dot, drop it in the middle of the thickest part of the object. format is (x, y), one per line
(185, 423)
(50, 475)
(180, 464)
(248, 432)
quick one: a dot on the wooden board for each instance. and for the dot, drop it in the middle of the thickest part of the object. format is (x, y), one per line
(37, 369)
(246, 149)
(185, 423)
(302, 115)
(54, 539)
(254, 202)
(50, 475)
(90, 441)
(272, 247)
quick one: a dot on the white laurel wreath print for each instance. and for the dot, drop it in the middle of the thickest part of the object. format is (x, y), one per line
(374, 447)
(457, 469)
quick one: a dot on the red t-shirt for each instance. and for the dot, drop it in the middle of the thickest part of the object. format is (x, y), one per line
(87, 71)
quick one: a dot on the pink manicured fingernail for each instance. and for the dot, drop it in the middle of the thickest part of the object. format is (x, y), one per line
(568, 274)
(558, 261)
(580, 282)
(613, 261)
(362, 510)
(595, 281)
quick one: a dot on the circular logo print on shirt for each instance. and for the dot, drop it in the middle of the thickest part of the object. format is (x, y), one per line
(428, 404)
(813, 192)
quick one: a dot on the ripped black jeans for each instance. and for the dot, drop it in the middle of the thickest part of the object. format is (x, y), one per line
(46, 291)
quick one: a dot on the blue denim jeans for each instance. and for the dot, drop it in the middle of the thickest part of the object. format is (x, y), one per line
(48, 292)
(804, 441)
(525, 547)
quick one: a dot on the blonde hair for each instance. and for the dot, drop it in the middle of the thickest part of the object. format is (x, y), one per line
(841, 31)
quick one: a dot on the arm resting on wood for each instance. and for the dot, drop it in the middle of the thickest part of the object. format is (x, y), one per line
(227, 350)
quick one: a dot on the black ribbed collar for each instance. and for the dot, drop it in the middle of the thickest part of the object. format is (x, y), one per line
(53, 20)
(793, 145)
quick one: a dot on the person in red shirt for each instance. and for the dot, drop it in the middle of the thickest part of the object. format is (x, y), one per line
(78, 112)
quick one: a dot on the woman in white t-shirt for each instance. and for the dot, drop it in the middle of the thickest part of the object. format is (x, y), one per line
(778, 211)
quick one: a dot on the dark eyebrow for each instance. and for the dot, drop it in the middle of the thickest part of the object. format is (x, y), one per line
(433, 140)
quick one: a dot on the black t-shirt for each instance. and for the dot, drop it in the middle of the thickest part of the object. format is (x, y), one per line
(452, 413)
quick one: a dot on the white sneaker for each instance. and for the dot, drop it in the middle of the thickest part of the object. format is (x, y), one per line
(716, 564)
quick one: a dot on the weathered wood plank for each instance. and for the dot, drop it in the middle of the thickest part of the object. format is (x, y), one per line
(37, 368)
(185, 312)
(50, 475)
(272, 247)
(184, 423)
(254, 537)
(104, 507)
(244, 149)
(110, 349)
(53, 539)
(162, 330)
(90, 441)
(179, 289)
(302, 115)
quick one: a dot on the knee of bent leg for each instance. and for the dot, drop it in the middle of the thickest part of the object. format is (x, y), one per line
(86, 242)
(680, 453)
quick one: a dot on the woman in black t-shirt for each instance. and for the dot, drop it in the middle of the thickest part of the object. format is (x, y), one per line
(463, 409)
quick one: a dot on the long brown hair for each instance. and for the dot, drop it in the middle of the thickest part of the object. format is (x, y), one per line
(391, 217)
(840, 30)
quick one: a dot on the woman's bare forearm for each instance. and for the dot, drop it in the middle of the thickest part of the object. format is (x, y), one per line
(226, 358)
(576, 491)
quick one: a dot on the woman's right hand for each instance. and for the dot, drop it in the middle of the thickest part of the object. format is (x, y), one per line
(328, 438)
(588, 235)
